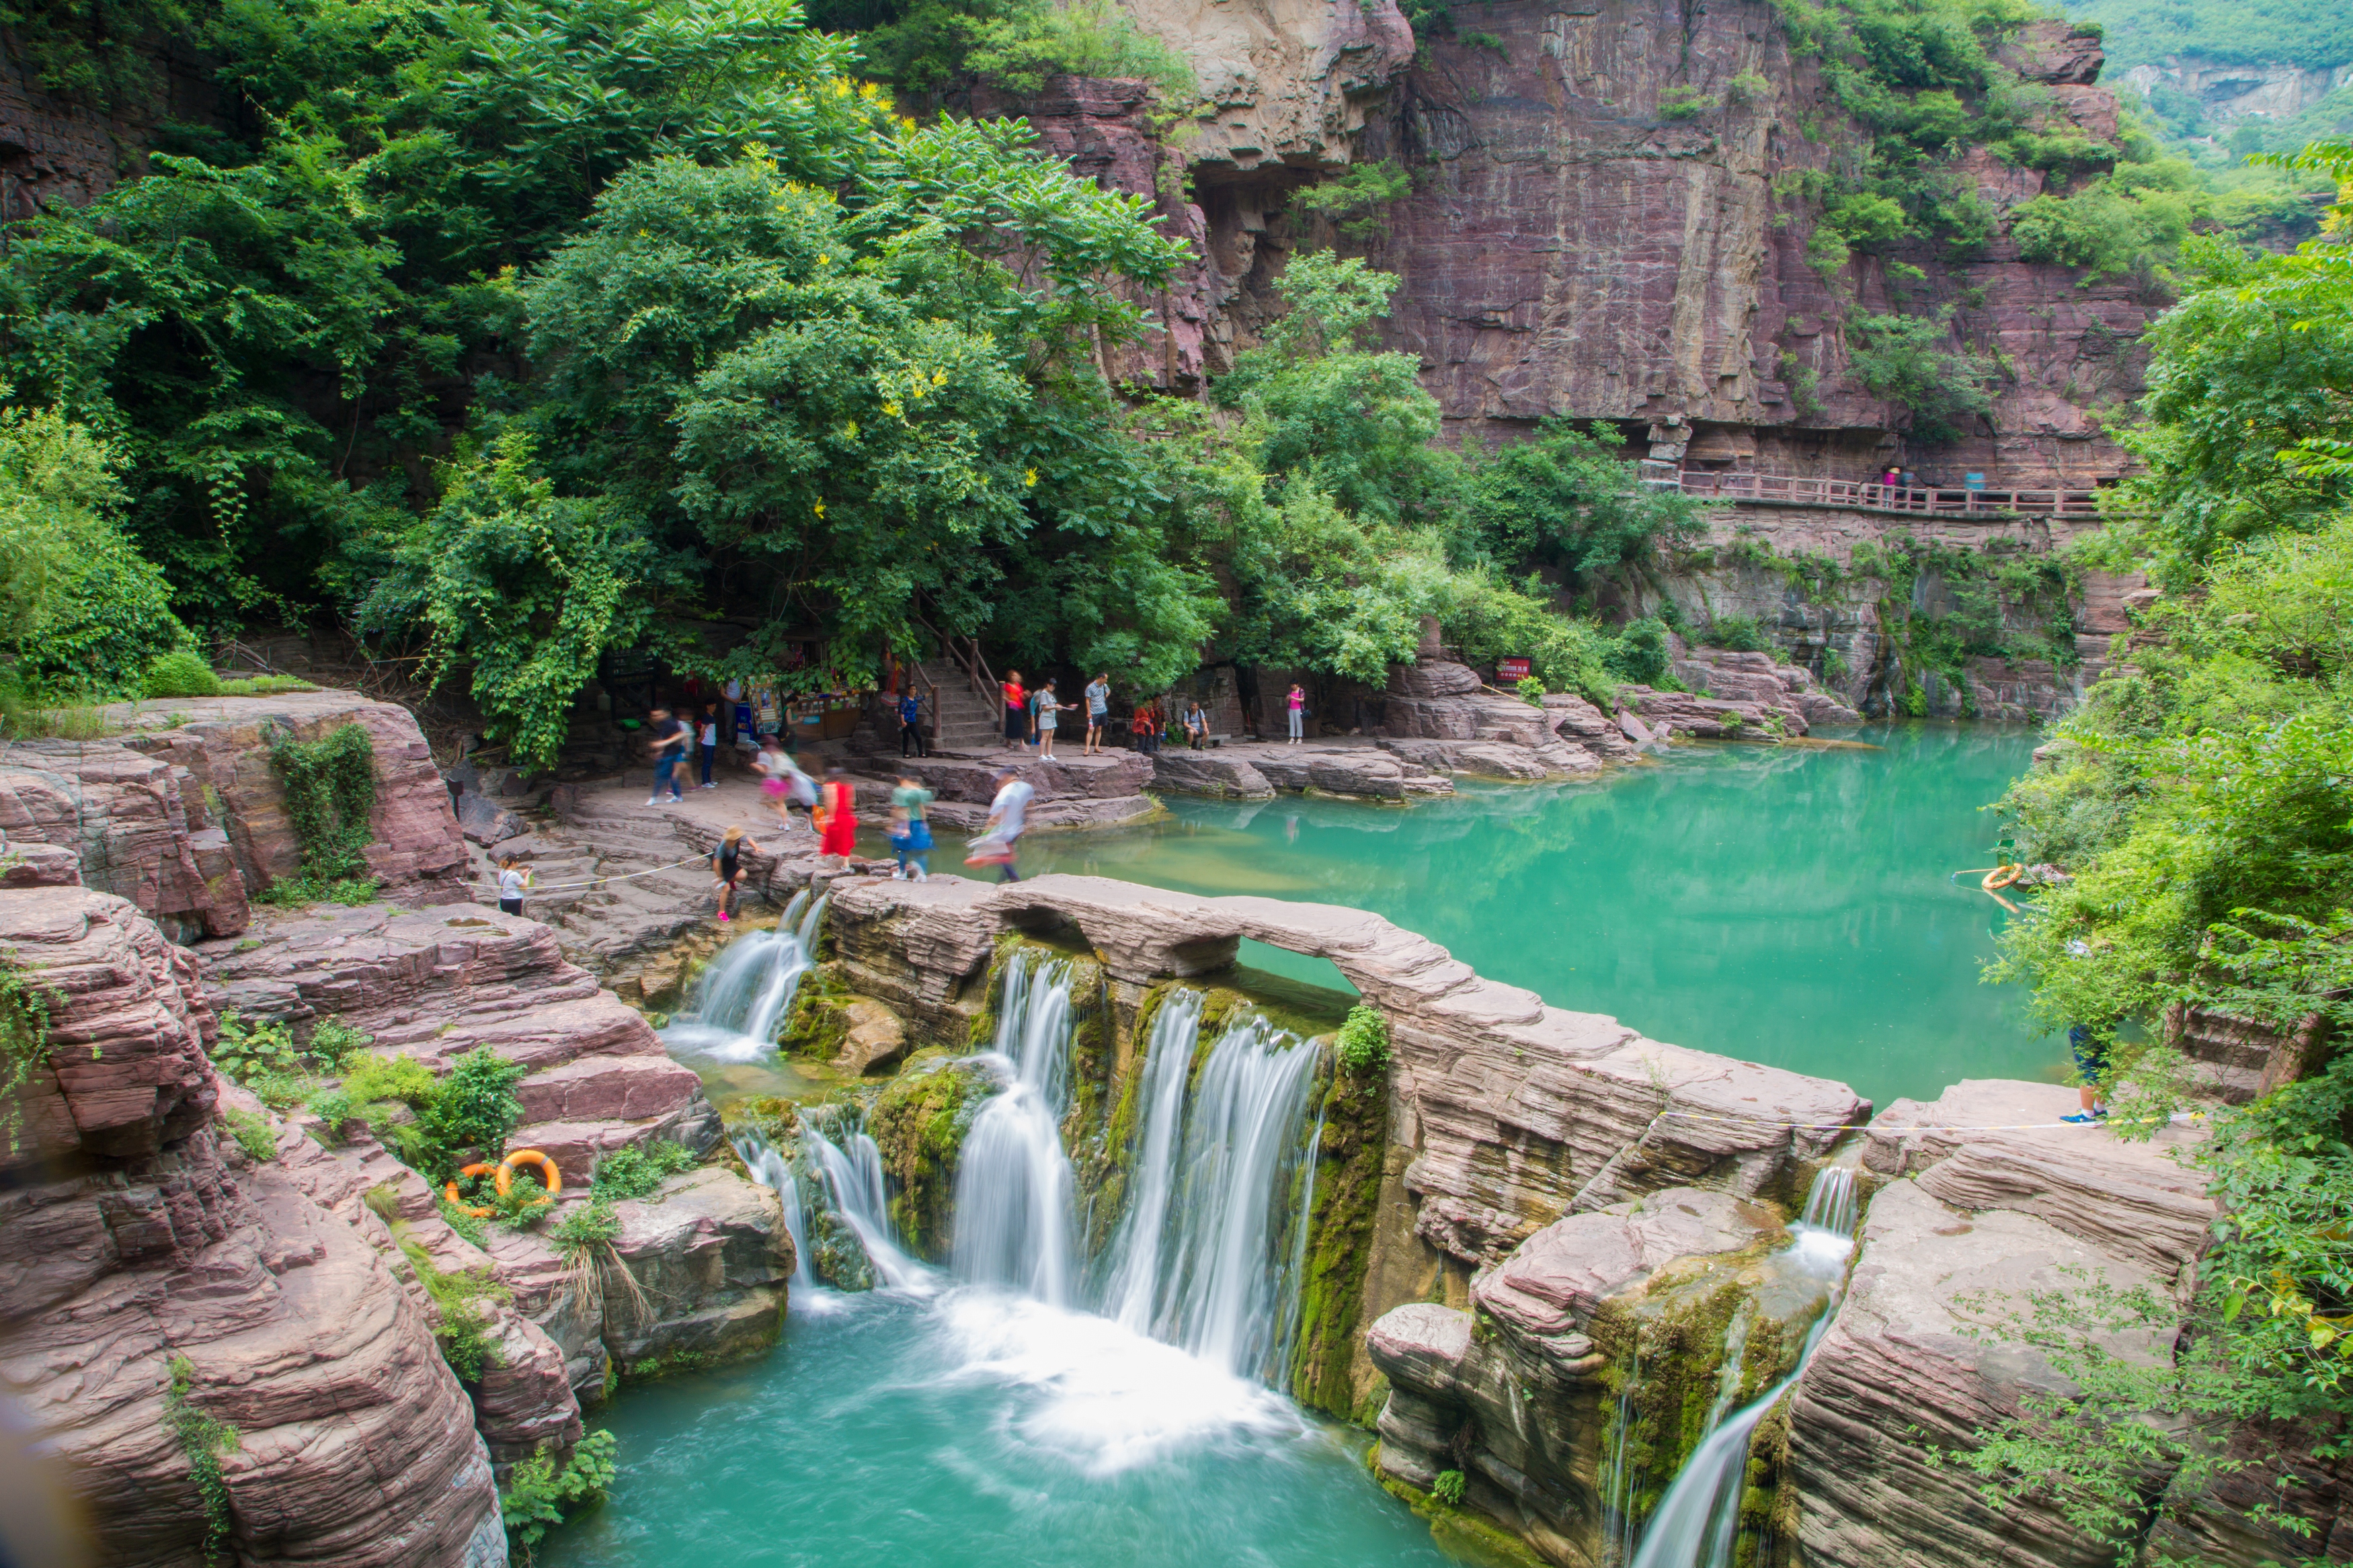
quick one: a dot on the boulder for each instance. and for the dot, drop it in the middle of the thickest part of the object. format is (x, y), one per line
(151, 1236)
(137, 825)
(1223, 772)
(709, 1254)
(223, 743)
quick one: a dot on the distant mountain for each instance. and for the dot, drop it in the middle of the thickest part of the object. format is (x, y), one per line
(2313, 35)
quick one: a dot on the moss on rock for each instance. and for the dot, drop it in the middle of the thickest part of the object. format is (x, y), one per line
(1340, 1234)
(919, 1122)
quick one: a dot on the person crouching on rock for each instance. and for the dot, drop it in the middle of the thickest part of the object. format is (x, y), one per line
(727, 864)
(837, 818)
(513, 881)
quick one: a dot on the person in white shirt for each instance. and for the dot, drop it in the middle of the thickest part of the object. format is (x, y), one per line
(513, 881)
(1007, 818)
(707, 737)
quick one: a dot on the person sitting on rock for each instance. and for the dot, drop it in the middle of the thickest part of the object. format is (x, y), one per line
(727, 865)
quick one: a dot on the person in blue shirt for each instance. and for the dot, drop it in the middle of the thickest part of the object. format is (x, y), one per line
(911, 725)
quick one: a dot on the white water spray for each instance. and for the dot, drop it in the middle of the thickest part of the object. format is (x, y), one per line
(1698, 1521)
(741, 998)
(1013, 1221)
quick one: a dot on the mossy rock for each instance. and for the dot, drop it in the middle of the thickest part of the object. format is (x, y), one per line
(919, 1122)
(1339, 1239)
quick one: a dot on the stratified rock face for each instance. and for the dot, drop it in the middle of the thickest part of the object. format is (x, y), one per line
(1748, 696)
(223, 742)
(1518, 1113)
(435, 983)
(1991, 1210)
(137, 1233)
(137, 826)
(1285, 82)
(1441, 715)
(1523, 1409)
(1572, 250)
(181, 813)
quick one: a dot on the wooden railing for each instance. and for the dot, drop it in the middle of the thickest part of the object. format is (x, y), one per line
(1925, 501)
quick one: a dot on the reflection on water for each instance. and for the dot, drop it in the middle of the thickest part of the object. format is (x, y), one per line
(1782, 904)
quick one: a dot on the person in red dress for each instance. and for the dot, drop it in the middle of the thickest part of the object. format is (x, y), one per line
(838, 832)
(1016, 710)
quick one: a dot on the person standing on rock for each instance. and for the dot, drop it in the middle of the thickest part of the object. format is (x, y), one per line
(1146, 726)
(1296, 708)
(513, 881)
(999, 843)
(2091, 1066)
(727, 865)
(670, 745)
(836, 817)
(910, 834)
(708, 740)
(1048, 708)
(1016, 710)
(1098, 696)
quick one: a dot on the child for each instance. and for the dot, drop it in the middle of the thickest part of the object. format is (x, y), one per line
(910, 834)
(727, 863)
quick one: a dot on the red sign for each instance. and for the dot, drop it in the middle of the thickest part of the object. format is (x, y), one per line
(1512, 668)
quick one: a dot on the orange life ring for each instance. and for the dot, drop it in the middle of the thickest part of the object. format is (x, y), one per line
(530, 1157)
(478, 1170)
(2001, 877)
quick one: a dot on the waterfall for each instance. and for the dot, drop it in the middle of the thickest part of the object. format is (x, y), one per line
(852, 1172)
(1013, 1185)
(806, 930)
(1198, 1262)
(1132, 1294)
(769, 1168)
(741, 998)
(1698, 1521)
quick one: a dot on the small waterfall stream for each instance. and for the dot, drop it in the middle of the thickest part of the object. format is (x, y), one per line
(773, 1171)
(1698, 1521)
(852, 1172)
(738, 1002)
(1014, 1224)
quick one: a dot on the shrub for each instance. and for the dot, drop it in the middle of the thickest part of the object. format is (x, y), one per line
(1531, 691)
(1448, 1488)
(332, 1041)
(1908, 361)
(330, 790)
(471, 1226)
(588, 1227)
(405, 1078)
(633, 1172)
(475, 1106)
(204, 1439)
(463, 1330)
(181, 673)
(537, 1493)
(252, 1134)
(1639, 653)
(1683, 102)
(248, 1052)
(1740, 634)
(1364, 1041)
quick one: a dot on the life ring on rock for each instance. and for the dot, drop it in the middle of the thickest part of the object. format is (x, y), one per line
(451, 1190)
(2001, 877)
(547, 1170)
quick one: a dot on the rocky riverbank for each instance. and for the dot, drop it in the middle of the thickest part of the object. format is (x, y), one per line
(244, 1262)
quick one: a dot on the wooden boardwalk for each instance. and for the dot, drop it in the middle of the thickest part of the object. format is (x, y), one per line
(1785, 489)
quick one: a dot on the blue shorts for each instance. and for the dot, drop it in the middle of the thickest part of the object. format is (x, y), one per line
(2091, 1056)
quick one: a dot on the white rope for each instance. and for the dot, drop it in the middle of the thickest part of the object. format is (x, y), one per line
(599, 882)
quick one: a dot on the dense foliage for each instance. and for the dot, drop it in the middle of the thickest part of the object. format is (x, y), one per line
(2314, 34)
(514, 334)
(2202, 799)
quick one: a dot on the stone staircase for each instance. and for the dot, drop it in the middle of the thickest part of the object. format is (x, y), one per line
(969, 720)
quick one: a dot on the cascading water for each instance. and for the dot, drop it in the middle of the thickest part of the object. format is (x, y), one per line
(741, 998)
(852, 1172)
(808, 928)
(1698, 1521)
(1013, 1187)
(1197, 1265)
(771, 1169)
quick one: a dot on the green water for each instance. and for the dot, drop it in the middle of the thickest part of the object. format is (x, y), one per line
(976, 1430)
(1788, 906)
(1784, 905)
